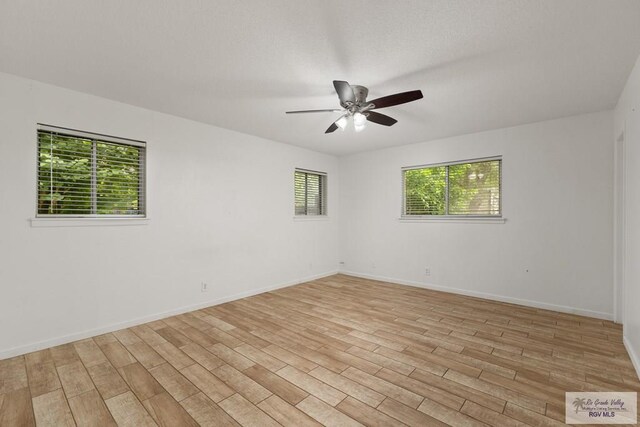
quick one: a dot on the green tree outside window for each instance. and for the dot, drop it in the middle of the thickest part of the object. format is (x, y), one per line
(464, 189)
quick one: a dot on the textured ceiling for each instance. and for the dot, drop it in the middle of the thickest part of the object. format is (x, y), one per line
(241, 64)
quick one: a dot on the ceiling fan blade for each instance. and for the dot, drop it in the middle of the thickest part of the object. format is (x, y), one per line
(396, 99)
(332, 110)
(345, 93)
(380, 119)
(331, 128)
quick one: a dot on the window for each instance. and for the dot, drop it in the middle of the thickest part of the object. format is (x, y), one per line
(310, 192)
(462, 189)
(82, 174)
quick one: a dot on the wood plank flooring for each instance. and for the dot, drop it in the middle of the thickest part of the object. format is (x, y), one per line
(339, 351)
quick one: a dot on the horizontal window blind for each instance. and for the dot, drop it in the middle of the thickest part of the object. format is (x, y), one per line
(470, 188)
(425, 191)
(310, 193)
(474, 189)
(81, 174)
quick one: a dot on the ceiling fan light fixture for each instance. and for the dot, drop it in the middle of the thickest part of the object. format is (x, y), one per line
(342, 122)
(359, 119)
(359, 128)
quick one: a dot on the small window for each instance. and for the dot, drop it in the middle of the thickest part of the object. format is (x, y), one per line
(310, 192)
(81, 174)
(461, 189)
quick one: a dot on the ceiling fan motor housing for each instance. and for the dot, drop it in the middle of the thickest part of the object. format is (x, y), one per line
(361, 93)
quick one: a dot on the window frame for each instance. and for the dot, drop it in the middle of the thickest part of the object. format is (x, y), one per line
(323, 187)
(95, 138)
(447, 216)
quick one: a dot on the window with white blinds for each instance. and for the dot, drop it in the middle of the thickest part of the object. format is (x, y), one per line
(310, 192)
(82, 174)
(462, 189)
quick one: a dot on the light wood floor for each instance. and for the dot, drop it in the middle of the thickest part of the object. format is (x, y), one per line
(337, 351)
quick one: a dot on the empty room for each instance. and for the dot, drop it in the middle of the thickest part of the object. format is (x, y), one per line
(319, 212)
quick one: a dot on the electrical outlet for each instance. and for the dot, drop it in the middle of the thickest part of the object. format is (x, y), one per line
(204, 287)
(427, 271)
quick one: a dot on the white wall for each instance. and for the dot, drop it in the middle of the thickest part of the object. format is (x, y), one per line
(627, 125)
(555, 248)
(220, 208)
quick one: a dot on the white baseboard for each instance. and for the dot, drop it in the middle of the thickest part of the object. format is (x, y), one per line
(632, 355)
(493, 297)
(16, 351)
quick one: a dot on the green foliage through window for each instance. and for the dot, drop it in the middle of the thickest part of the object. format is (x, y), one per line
(463, 189)
(78, 176)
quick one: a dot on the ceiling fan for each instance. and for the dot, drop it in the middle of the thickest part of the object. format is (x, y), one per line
(353, 100)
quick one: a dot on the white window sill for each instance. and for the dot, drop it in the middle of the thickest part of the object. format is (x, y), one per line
(87, 222)
(303, 218)
(459, 220)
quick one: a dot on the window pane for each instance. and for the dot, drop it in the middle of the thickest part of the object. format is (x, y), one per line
(322, 199)
(313, 194)
(474, 188)
(310, 193)
(118, 179)
(64, 175)
(79, 176)
(300, 193)
(425, 191)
